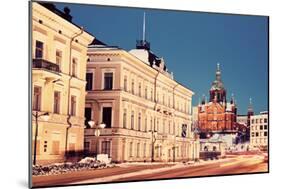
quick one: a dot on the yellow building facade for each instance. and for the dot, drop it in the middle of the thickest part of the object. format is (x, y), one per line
(147, 113)
(59, 56)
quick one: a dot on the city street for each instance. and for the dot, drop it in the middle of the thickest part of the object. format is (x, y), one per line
(234, 164)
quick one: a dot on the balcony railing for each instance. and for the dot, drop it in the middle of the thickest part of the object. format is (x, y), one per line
(41, 63)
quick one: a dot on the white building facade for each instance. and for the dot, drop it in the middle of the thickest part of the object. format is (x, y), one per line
(259, 130)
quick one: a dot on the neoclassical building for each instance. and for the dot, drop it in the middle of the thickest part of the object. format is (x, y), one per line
(147, 113)
(59, 56)
(217, 115)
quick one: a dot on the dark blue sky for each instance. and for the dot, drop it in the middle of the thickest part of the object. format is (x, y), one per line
(192, 43)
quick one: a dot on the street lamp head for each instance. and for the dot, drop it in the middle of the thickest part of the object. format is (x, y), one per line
(91, 123)
(102, 125)
(45, 116)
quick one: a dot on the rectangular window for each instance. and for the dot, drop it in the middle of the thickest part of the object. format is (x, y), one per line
(39, 49)
(133, 87)
(253, 121)
(257, 134)
(105, 147)
(125, 83)
(169, 102)
(157, 125)
(265, 127)
(140, 89)
(265, 134)
(106, 116)
(157, 151)
(138, 149)
(59, 58)
(144, 150)
(73, 106)
(108, 81)
(261, 127)
(56, 147)
(170, 129)
(145, 124)
(88, 116)
(253, 134)
(139, 122)
(265, 120)
(36, 98)
(145, 93)
(124, 118)
(132, 120)
(56, 102)
(74, 67)
(89, 79)
(131, 149)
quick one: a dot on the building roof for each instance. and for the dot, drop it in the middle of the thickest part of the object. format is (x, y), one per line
(63, 14)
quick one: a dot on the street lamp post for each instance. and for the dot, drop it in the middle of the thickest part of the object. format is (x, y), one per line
(153, 139)
(97, 128)
(45, 117)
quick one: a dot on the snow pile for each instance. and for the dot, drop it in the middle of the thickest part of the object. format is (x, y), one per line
(87, 163)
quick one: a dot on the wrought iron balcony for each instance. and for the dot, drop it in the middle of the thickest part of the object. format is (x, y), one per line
(41, 63)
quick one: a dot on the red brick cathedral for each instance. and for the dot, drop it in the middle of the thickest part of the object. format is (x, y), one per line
(217, 115)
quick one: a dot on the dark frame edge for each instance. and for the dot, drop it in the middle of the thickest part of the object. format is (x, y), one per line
(29, 93)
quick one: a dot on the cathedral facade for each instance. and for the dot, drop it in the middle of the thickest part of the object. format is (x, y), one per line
(217, 115)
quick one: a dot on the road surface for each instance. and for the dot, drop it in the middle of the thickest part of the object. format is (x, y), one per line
(235, 164)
